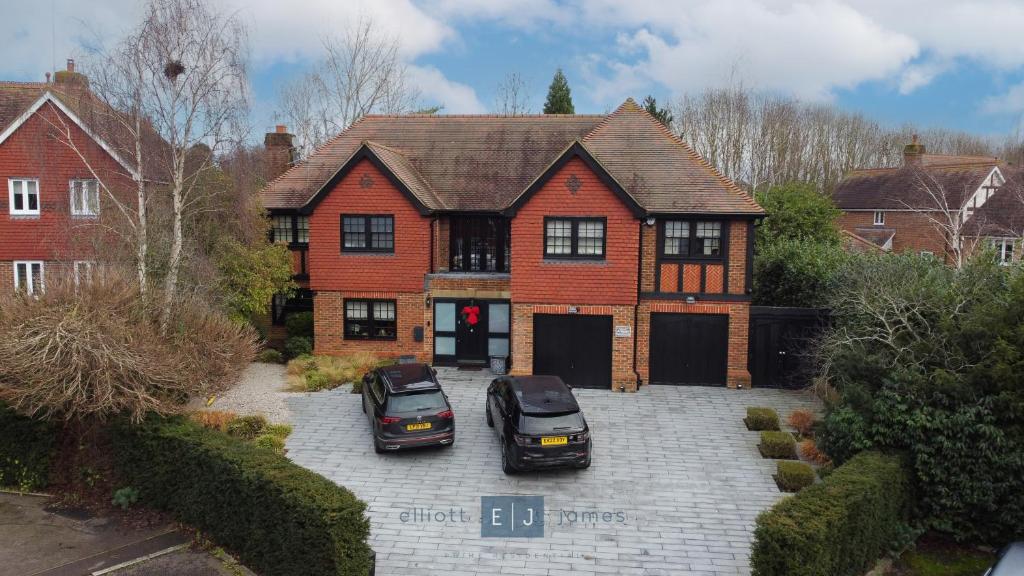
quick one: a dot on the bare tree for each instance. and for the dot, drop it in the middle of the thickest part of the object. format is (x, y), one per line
(944, 205)
(764, 139)
(512, 97)
(361, 73)
(182, 75)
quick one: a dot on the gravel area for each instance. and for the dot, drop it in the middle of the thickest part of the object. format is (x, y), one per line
(259, 391)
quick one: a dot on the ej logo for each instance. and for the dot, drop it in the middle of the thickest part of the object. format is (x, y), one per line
(512, 516)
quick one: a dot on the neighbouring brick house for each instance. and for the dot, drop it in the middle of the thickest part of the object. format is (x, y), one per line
(906, 208)
(999, 224)
(599, 248)
(53, 210)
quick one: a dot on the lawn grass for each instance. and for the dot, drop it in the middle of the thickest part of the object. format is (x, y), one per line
(934, 557)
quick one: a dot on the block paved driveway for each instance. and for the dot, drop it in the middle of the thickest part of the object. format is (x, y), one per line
(675, 467)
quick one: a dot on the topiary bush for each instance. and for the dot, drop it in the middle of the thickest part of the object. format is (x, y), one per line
(793, 476)
(759, 418)
(780, 445)
(838, 527)
(296, 346)
(247, 427)
(27, 447)
(278, 518)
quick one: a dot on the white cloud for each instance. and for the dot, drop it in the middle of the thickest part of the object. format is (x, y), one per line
(437, 90)
(806, 49)
(916, 76)
(1009, 102)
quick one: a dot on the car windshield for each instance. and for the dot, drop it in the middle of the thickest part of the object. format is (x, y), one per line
(548, 424)
(418, 402)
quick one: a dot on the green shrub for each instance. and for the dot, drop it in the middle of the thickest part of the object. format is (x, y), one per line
(794, 476)
(125, 497)
(826, 470)
(271, 356)
(299, 324)
(27, 447)
(761, 419)
(296, 346)
(278, 518)
(247, 427)
(839, 526)
(317, 381)
(270, 442)
(775, 444)
(282, 431)
(357, 387)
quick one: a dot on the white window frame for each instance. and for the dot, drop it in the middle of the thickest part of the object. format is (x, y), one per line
(88, 266)
(879, 218)
(26, 211)
(1000, 246)
(85, 212)
(31, 288)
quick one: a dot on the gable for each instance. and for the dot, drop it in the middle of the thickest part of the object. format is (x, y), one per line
(48, 98)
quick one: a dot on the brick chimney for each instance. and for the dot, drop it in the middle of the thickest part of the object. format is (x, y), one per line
(913, 152)
(69, 78)
(280, 152)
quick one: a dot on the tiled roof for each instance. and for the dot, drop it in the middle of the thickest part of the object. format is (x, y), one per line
(16, 98)
(878, 236)
(908, 186)
(485, 162)
(1003, 213)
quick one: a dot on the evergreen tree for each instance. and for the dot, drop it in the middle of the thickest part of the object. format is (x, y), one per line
(559, 99)
(661, 114)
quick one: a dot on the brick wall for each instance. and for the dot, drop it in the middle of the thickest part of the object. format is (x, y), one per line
(914, 231)
(611, 281)
(738, 256)
(34, 151)
(623, 375)
(739, 326)
(649, 257)
(442, 244)
(6, 277)
(329, 317)
(330, 269)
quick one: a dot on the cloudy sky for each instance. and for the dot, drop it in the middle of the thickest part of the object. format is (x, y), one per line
(951, 63)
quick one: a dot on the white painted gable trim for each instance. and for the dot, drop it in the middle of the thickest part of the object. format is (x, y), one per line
(49, 97)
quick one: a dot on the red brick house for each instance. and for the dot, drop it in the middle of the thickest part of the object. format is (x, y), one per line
(900, 209)
(599, 248)
(52, 208)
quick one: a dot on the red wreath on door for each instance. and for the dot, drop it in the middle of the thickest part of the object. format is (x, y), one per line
(471, 315)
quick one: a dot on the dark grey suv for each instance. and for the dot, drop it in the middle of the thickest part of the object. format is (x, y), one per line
(407, 408)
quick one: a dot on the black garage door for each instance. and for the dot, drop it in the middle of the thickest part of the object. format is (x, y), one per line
(689, 349)
(576, 348)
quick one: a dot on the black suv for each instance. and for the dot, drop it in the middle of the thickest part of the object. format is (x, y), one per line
(539, 423)
(407, 408)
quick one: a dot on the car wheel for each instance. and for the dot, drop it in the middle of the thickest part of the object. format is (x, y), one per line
(490, 420)
(506, 463)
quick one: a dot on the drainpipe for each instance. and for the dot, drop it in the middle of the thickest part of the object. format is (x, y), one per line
(636, 307)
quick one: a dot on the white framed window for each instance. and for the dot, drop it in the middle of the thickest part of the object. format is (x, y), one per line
(28, 276)
(83, 271)
(1004, 250)
(879, 218)
(85, 197)
(23, 196)
(927, 254)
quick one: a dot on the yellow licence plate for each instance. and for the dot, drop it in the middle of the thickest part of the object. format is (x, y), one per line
(554, 440)
(420, 426)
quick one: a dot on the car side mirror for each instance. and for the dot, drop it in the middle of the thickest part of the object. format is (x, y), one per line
(434, 371)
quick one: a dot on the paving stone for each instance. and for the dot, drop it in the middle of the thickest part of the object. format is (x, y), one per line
(676, 461)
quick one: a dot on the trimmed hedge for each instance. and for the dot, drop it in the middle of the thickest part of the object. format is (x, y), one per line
(838, 527)
(776, 444)
(27, 447)
(761, 419)
(280, 519)
(793, 476)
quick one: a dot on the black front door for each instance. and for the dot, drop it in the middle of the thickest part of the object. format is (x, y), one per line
(689, 349)
(576, 348)
(470, 336)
